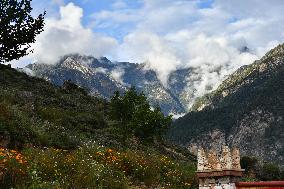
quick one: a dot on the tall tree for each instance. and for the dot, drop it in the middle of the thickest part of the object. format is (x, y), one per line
(135, 116)
(18, 29)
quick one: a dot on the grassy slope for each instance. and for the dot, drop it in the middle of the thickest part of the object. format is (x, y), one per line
(68, 140)
(35, 112)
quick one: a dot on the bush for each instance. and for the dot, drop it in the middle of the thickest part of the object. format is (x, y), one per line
(270, 171)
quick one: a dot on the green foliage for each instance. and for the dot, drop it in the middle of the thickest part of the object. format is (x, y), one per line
(135, 117)
(71, 87)
(254, 170)
(251, 166)
(77, 169)
(270, 171)
(18, 28)
(248, 163)
(12, 168)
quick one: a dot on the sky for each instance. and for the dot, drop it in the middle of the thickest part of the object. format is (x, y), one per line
(207, 35)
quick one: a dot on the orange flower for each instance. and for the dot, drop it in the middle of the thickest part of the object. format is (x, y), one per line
(98, 153)
(13, 151)
(109, 150)
(18, 156)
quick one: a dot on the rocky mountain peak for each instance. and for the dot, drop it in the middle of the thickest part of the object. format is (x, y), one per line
(70, 63)
(104, 60)
(275, 52)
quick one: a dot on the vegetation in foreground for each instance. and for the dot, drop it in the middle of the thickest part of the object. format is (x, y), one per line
(92, 167)
(60, 137)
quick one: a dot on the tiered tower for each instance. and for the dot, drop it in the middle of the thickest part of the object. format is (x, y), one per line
(218, 171)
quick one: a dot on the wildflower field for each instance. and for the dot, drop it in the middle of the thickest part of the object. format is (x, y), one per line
(92, 167)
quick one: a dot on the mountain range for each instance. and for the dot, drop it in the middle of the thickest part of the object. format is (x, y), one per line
(103, 77)
(245, 111)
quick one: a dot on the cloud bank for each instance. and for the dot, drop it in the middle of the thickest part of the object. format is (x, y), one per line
(211, 37)
(66, 34)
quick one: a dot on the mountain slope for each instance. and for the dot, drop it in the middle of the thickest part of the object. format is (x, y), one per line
(103, 78)
(245, 111)
(60, 137)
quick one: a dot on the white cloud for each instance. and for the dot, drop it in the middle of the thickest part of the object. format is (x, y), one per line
(67, 35)
(117, 75)
(252, 8)
(150, 48)
(176, 116)
(101, 70)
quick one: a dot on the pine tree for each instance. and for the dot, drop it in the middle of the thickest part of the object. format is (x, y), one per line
(18, 29)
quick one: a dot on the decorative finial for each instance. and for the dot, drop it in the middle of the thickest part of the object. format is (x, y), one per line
(201, 159)
(226, 159)
(236, 160)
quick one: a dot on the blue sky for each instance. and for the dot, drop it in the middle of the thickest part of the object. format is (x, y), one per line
(206, 35)
(92, 7)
